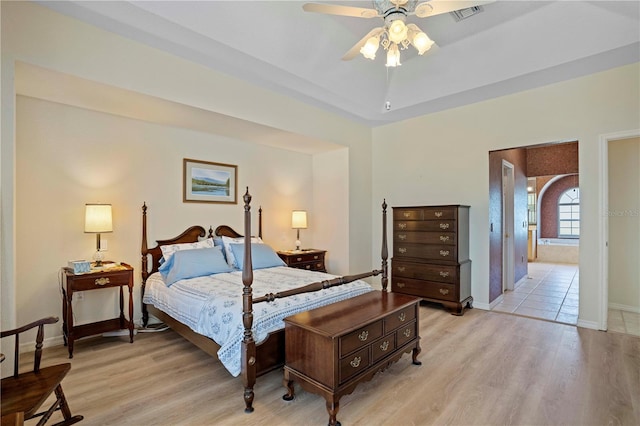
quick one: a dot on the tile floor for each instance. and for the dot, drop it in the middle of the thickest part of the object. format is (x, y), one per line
(550, 291)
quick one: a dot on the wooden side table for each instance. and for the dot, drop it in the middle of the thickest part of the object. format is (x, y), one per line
(120, 276)
(309, 259)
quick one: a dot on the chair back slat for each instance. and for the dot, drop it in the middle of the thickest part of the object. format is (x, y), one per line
(39, 339)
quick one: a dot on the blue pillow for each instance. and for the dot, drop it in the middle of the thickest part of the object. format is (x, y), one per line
(217, 242)
(193, 263)
(262, 256)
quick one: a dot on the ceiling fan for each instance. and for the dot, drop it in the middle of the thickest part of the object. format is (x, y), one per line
(395, 35)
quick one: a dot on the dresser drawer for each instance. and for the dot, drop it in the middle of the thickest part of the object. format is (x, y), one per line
(425, 225)
(361, 337)
(421, 271)
(94, 281)
(440, 213)
(310, 266)
(429, 289)
(406, 333)
(353, 364)
(400, 318)
(383, 347)
(432, 252)
(447, 238)
(306, 257)
(408, 214)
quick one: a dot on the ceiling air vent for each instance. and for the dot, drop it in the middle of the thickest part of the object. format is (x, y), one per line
(461, 14)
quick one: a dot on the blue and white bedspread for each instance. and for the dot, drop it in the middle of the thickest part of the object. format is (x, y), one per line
(212, 305)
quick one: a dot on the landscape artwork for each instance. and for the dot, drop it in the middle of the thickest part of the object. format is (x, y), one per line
(208, 182)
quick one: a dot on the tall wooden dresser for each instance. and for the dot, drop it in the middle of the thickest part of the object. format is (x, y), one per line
(431, 255)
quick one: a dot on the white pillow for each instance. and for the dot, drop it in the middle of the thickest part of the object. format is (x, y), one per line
(227, 241)
(167, 251)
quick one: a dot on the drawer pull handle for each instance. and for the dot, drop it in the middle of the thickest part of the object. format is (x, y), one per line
(400, 285)
(384, 346)
(407, 332)
(401, 268)
(444, 291)
(444, 252)
(438, 214)
(102, 281)
(407, 214)
(444, 274)
(402, 250)
(444, 226)
(444, 238)
(402, 225)
(308, 266)
(355, 363)
(363, 336)
(402, 317)
(402, 236)
(315, 257)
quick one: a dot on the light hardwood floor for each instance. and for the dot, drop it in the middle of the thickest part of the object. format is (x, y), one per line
(484, 368)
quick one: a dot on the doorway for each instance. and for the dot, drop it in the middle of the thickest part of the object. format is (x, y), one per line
(508, 211)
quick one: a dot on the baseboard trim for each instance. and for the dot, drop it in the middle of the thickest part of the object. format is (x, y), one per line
(588, 324)
(626, 308)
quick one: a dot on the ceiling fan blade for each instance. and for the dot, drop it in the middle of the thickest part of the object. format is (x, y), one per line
(353, 52)
(331, 9)
(437, 7)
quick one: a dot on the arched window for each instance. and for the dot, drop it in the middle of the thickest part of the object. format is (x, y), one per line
(569, 214)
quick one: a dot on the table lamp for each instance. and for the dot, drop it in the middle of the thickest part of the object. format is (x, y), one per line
(298, 222)
(97, 219)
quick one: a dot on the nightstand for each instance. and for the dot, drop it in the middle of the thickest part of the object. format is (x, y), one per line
(309, 259)
(118, 276)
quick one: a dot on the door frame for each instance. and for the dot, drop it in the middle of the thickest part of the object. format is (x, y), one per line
(507, 174)
(603, 223)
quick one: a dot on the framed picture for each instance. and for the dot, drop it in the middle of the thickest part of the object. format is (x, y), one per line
(207, 182)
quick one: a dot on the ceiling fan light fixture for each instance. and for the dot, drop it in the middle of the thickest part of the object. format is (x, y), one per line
(397, 31)
(393, 56)
(422, 42)
(370, 48)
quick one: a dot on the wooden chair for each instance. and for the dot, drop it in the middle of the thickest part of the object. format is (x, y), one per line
(24, 393)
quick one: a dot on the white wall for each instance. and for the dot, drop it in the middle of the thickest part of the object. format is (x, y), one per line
(443, 158)
(37, 36)
(624, 224)
(68, 156)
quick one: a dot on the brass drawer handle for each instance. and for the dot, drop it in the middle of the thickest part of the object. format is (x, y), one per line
(402, 250)
(444, 238)
(102, 281)
(444, 252)
(444, 226)
(363, 336)
(315, 257)
(402, 225)
(444, 291)
(402, 236)
(298, 259)
(402, 317)
(384, 346)
(407, 332)
(407, 214)
(400, 285)
(308, 266)
(438, 214)
(401, 268)
(444, 274)
(355, 363)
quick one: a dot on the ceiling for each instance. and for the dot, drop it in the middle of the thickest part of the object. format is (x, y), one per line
(509, 47)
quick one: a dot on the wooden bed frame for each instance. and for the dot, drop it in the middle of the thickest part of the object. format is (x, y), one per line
(256, 359)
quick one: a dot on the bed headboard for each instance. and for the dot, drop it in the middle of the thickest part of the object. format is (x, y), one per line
(190, 235)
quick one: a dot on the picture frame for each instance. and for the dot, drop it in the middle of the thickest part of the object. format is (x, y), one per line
(209, 182)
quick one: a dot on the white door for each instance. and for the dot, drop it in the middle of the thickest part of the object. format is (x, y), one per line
(508, 249)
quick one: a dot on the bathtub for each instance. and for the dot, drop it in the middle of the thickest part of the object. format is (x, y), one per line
(558, 250)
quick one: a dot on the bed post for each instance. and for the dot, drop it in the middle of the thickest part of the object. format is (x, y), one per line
(385, 251)
(248, 344)
(260, 222)
(145, 258)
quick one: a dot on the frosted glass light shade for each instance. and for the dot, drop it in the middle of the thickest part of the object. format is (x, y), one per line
(370, 48)
(422, 42)
(397, 31)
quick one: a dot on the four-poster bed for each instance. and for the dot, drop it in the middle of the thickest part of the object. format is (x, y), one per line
(256, 358)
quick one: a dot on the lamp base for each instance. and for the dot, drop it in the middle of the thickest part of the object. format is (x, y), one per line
(98, 257)
(298, 244)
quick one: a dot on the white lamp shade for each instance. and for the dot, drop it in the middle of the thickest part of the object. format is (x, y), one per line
(370, 48)
(299, 219)
(393, 56)
(98, 218)
(397, 31)
(422, 42)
